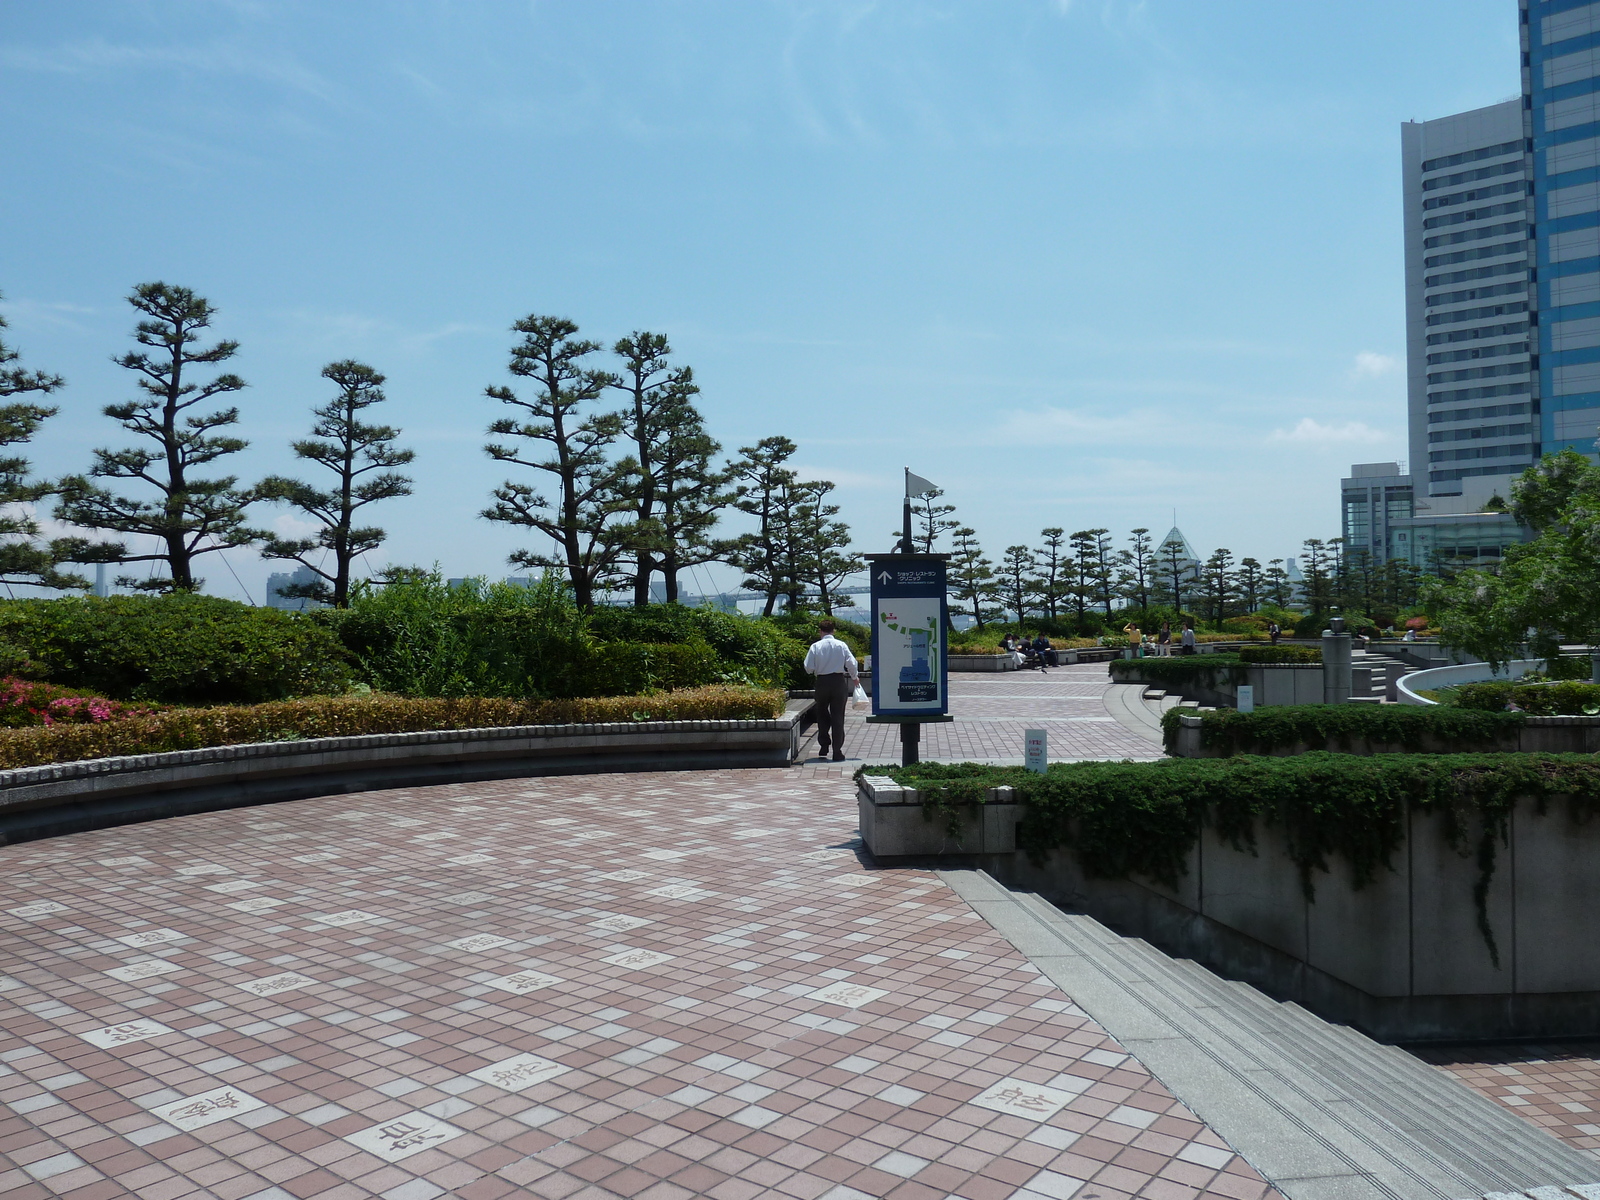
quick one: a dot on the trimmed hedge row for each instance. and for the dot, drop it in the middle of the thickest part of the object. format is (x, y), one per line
(1540, 699)
(1183, 668)
(1280, 654)
(1124, 819)
(348, 716)
(1336, 726)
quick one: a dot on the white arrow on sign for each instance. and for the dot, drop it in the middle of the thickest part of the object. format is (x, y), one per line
(885, 578)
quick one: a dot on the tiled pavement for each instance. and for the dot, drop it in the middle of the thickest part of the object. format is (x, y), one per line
(651, 986)
(1556, 1086)
(993, 710)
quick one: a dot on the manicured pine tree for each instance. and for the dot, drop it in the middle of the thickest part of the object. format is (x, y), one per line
(971, 576)
(187, 516)
(566, 444)
(1016, 585)
(766, 489)
(24, 557)
(1053, 566)
(362, 458)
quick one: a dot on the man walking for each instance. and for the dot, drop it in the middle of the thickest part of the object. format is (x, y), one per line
(832, 662)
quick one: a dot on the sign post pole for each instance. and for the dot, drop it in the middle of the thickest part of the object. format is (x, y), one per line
(910, 664)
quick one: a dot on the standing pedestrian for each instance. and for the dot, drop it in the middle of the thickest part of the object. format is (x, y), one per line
(834, 665)
(1188, 637)
(1135, 639)
(1274, 631)
(1164, 640)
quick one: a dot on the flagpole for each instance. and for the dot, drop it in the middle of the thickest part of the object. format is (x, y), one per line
(906, 544)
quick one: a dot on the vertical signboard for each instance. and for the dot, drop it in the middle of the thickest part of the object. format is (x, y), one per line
(1035, 750)
(910, 673)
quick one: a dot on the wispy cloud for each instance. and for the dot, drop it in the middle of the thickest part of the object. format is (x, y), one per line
(1371, 365)
(1311, 430)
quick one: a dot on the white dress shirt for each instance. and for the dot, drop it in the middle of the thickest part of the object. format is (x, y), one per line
(829, 656)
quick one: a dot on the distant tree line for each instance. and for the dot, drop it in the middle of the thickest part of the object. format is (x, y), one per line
(621, 495)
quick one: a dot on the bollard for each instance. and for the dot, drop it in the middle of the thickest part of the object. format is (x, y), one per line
(1335, 663)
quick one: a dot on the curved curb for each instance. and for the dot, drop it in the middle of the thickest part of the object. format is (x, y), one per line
(1478, 672)
(72, 797)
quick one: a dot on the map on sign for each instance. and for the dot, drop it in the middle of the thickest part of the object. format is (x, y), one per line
(909, 665)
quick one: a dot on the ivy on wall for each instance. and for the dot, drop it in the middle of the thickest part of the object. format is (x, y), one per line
(1125, 820)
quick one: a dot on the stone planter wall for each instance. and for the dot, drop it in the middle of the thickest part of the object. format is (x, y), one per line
(1401, 957)
(70, 797)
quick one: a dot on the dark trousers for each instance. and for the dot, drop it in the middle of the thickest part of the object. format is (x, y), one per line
(833, 697)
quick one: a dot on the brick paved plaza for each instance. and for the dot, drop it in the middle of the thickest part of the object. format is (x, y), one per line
(647, 985)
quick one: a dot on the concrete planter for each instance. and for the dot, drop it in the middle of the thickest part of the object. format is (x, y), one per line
(894, 825)
(1402, 957)
(1274, 684)
(70, 797)
(1541, 735)
(982, 662)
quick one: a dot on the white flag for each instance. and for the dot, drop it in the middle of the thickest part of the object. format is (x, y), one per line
(916, 485)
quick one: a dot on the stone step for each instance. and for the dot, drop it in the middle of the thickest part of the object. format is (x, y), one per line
(1322, 1111)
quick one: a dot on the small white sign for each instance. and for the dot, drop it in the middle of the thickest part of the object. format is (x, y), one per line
(1023, 1099)
(219, 1104)
(204, 869)
(271, 985)
(679, 891)
(404, 1136)
(848, 995)
(1246, 698)
(518, 1073)
(128, 1031)
(42, 909)
(350, 916)
(152, 937)
(478, 943)
(257, 904)
(233, 885)
(637, 959)
(148, 969)
(621, 923)
(523, 982)
(1035, 750)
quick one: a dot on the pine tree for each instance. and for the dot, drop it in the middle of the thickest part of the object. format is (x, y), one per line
(1276, 583)
(362, 458)
(1249, 580)
(1137, 564)
(24, 558)
(822, 545)
(1216, 581)
(188, 516)
(765, 489)
(568, 447)
(675, 495)
(1016, 580)
(1053, 570)
(971, 576)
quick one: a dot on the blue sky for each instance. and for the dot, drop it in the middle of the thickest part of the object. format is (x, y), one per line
(1081, 263)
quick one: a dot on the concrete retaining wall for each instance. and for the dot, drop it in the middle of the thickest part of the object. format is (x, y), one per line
(1274, 684)
(1401, 958)
(69, 797)
(1538, 735)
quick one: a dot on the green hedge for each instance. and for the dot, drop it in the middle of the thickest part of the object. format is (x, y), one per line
(179, 649)
(1280, 654)
(1125, 819)
(1540, 699)
(1185, 668)
(1337, 726)
(348, 716)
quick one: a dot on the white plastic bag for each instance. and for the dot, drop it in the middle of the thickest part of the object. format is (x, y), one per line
(859, 700)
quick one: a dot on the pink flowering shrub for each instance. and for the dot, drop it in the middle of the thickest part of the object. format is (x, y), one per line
(25, 703)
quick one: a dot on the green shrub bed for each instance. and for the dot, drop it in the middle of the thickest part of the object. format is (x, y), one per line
(1280, 654)
(1539, 699)
(1125, 819)
(348, 716)
(1336, 726)
(1182, 668)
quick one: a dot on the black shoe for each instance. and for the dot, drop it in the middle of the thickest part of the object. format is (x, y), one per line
(838, 758)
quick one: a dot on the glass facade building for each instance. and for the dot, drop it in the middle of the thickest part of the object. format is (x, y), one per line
(1561, 103)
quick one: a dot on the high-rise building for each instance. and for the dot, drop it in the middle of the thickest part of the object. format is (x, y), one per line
(1561, 101)
(1473, 396)
(1375, 497)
